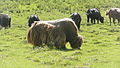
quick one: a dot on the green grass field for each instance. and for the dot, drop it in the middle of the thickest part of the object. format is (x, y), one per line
(101, 47)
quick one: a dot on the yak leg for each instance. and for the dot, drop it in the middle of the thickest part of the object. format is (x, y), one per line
(91, 20)
(9, 25)
(94, 21)
(114, 21)
(118, 21)
(110, 20)
(9, 22)
(87, 19)
(98, 21)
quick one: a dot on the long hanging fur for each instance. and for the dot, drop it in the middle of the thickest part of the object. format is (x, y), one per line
(46, 33)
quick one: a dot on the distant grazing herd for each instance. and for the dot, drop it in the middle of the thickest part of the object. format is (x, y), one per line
(59, 32)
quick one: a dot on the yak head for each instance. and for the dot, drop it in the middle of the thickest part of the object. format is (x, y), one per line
(102, 19)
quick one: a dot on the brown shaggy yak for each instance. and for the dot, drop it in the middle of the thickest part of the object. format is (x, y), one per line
(57, 32)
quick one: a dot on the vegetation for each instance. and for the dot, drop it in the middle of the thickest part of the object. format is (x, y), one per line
(101, 45)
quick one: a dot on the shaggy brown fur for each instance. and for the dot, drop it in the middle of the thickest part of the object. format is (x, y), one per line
(62, 31)
(46, 33)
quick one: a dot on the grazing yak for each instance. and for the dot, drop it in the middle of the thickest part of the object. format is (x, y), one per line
(76, 18)
(5, 20)
(32, 18)
(114, 13)
(94, 14)
(57, 32)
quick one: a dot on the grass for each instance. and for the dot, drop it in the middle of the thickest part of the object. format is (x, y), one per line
(101, 45)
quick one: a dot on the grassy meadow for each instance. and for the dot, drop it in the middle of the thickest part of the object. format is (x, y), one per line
(101, 47)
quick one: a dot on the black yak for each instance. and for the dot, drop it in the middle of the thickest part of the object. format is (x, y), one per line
(76, 17)
(5, 20)
(31, 19)
(94, 14)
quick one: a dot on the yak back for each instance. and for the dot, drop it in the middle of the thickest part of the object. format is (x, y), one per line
(114, 13)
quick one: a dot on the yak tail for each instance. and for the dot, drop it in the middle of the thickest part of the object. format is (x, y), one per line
(107, 12)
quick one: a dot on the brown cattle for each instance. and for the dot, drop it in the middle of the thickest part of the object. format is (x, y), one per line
(58, 32)
(114, 13)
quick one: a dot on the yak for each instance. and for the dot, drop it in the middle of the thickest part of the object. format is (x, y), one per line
(32, 18)
(114, 13)
(94, 14)
(76, 17)
(60, 31)
(5, 20)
